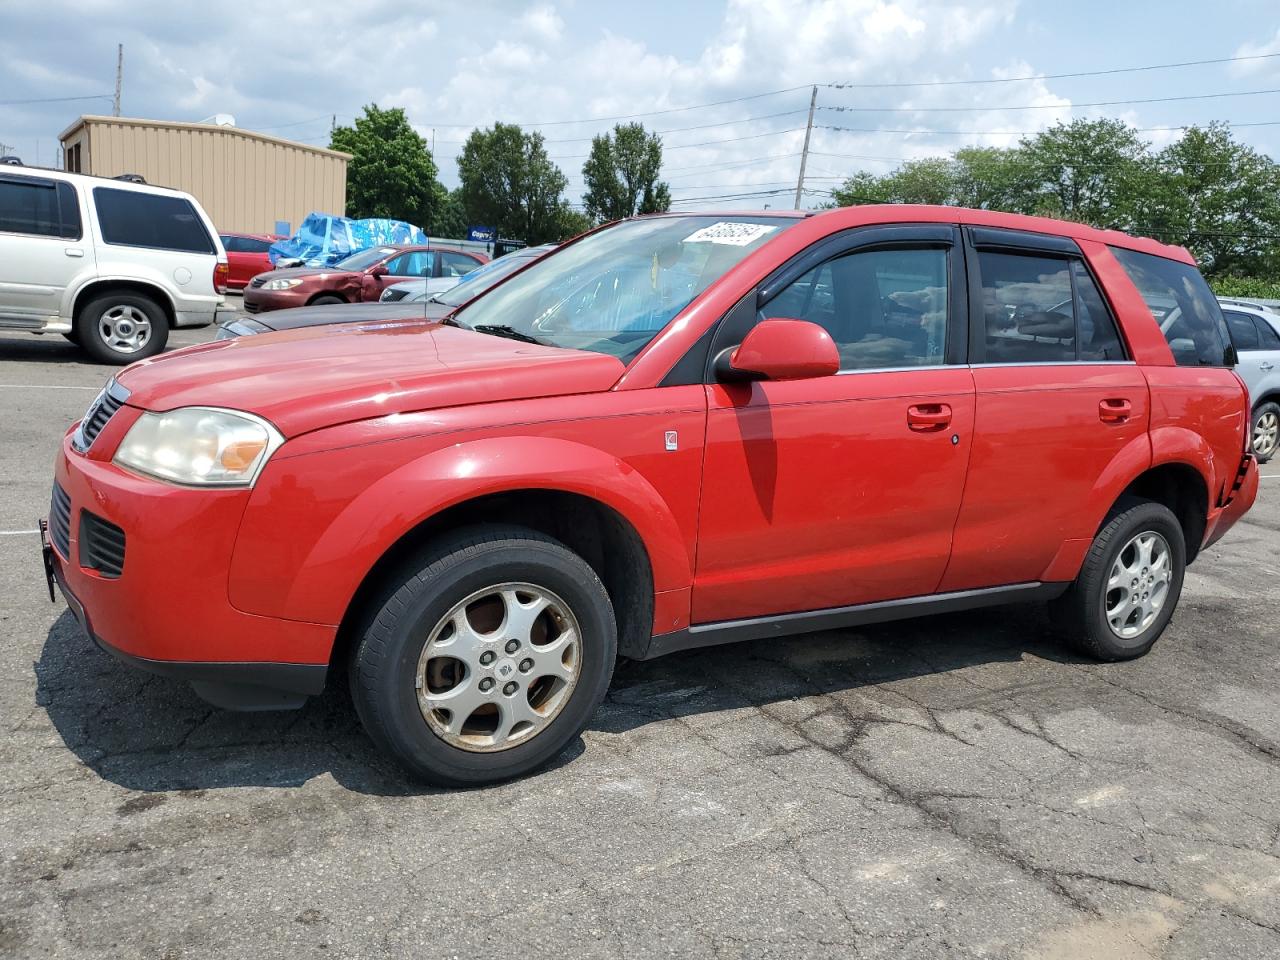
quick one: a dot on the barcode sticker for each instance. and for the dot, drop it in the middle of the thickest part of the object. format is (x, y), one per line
(731, 233)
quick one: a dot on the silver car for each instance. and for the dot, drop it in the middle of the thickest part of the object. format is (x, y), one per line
(1256, 335)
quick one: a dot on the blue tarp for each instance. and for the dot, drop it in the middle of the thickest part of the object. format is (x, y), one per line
(323, 239)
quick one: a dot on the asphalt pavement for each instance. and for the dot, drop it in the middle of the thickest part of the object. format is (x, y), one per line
(957, 786)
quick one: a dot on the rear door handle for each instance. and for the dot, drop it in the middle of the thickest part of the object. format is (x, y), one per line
(73, 251)
(1264, 365)
(928, 417)
(1114, 410)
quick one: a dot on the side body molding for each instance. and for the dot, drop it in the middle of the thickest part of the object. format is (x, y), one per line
(304, 547)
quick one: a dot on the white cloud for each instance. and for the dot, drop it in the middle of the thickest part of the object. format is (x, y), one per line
(1253, 68)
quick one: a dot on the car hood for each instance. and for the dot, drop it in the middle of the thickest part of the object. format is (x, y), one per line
(301, 273)
(302, 380)
(295, 317)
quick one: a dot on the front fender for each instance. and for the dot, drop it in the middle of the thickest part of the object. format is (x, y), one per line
(305, 547)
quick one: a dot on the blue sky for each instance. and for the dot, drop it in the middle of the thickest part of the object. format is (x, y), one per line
(286, 69)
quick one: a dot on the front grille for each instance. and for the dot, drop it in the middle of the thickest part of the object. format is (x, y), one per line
(257, 281)
(60, 521)
(102, 409)
(101, 545)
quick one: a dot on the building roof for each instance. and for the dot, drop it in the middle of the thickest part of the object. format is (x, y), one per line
(204, 127)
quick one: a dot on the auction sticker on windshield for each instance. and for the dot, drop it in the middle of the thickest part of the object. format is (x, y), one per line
(731, 233)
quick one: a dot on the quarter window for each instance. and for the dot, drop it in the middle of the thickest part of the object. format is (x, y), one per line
(131, 218)
(457, 265)
(883, 308)
(1183, 306)
(29, 207)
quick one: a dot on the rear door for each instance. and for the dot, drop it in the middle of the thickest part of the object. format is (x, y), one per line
(841, 490)
(42, 247)
(1058, 401)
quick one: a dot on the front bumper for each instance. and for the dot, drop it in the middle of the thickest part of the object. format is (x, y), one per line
(168, 611)
(257, 300)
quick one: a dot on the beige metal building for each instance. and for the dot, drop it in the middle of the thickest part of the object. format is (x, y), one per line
(246, 181)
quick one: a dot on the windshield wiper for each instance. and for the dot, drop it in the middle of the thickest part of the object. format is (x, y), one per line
(511, 333)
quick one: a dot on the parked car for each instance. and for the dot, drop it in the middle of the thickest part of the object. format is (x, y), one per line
(676, 431)
(452, 269)
(1251, 304)
(1256, 334)
(359, 278)
(246, 256)
(425, 306)
(109, 264)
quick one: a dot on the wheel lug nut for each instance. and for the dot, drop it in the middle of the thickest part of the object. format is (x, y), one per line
(511, 688)
(486, 684)
(487, 657)
(526, 665)
(512, 646)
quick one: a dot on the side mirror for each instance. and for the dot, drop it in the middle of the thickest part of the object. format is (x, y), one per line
(781, 350)
(378, 270)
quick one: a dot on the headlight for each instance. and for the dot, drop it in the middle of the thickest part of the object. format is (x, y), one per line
(241, 327)
(202, 446)
(281, 283)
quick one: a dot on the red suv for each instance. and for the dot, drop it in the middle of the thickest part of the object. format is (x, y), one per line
(246, 256)
(672, 432)
(360, 277)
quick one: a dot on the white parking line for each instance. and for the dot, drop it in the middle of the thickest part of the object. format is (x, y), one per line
(18, 533)
(44, 386)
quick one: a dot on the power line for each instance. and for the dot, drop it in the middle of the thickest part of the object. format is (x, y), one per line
(1026, 133)
(1051, 106)
(95, 96)
(1051, 76)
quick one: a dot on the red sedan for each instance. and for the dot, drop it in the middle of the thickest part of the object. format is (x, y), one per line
(247, 256)
(359, 278)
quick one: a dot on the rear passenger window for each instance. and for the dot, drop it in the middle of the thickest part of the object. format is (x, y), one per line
(1028, 308)
(1243, 333)
(883, 308)
(1268, 338)
(457, 265)
(131, 218)
(29, 207)
(1183, 306)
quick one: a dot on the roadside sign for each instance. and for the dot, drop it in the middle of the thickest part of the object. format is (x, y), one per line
(481, 234)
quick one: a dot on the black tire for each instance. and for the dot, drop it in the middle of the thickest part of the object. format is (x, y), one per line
(1081, 613)
(88, 327)
(384, 661)
(322, 300)
(1266, 417)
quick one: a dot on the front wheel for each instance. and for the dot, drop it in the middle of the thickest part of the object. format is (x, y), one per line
(489, 654)
(121, 328)
(325, 300)
(1128, 586)
(1266, 431)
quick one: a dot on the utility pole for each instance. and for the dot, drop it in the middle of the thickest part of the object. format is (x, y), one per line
(804, 154)
(115, 104)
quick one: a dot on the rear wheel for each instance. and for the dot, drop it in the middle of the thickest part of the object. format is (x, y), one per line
(1266, 431)
(489, 654)
(121, 328)
(1128, 586)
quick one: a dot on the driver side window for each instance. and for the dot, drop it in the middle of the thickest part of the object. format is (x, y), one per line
(884, 308)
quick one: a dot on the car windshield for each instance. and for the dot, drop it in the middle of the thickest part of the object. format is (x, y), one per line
(614, 290)
(364, 259)
(481, 279)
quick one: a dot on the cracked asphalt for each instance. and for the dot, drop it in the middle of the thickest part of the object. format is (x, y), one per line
(959, 786)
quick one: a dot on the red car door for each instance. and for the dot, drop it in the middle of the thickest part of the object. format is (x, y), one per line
(246, 258)
(1059, 405)
(844, 489)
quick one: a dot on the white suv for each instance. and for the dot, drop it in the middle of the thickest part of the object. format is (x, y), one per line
(109, 264)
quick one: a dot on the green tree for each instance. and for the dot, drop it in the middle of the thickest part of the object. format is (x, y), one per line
(391, 172)
(1089, 171)
(1219, 198)
(572, 222)
(621, 174)
(508, 182)
(451, 221)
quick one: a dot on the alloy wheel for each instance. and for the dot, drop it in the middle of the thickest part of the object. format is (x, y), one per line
(124, 328)
(498, 667)
(1266, 434)
(1138, 584)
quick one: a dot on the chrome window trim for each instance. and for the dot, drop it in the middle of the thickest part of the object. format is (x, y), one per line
(974, 366)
